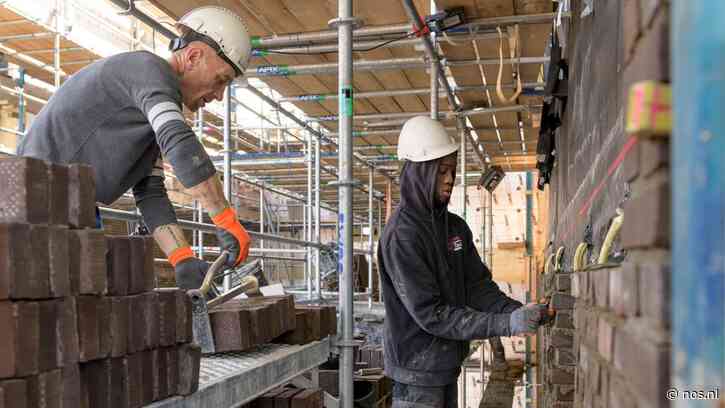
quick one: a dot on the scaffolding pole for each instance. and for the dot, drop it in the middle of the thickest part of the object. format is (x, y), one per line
(344, 24)
(371, 184)
(227, 158)
(317, 219)
(308, 210)
(434, 90)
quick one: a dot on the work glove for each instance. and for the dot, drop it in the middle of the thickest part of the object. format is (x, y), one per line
(189, 270)
(232, 237)
(526, 319)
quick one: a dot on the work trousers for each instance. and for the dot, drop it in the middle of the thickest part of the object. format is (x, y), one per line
(415, 396)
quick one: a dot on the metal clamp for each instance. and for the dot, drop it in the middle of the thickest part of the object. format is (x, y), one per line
(355, 22)
(344, 183)
(342, 343)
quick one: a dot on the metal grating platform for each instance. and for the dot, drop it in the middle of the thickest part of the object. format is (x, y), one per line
(233, 379)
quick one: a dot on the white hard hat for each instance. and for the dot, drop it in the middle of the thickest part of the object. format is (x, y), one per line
(222, 26)
(423, 139)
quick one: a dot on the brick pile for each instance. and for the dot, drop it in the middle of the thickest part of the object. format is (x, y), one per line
(311, 323)
(371, 356)
(82, 323)
(285, 397)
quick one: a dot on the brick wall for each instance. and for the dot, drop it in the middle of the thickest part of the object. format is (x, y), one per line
(610, 343)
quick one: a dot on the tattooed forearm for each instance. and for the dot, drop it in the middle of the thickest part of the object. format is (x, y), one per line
(170, 237)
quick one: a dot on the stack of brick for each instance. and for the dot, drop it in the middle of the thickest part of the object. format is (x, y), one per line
(241, 325)
(557, 342)
(285, 397)
(312, 323)
(371, 356)
(82, 324)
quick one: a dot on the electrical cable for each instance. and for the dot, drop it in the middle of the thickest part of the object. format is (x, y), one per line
(372, 48)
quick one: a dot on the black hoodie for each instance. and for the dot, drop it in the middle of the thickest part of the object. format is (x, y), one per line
(438, 294)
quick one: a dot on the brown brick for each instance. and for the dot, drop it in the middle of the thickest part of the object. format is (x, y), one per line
(649, 218)
(161, 372)
(58, 194)
(49, 335)
(15, 393)
(313, 322)
(189, 361)
(562, 375)
(564, 321)
(651, 9)
(651, 59)
(135, 379)
(308, 398)
(227, 330)
(630, 166)
(20, 342)
(120, 322)
(71, 379)
(600, 284)
(605, 338)
(81, 196)
(24, 269)
(46, 390)
(654, 297)
(149, 276)
(623, 289)
(631, 26)
(284, 399)
(564, 357)
(620, 395)
(119, 392)
(68, 324)
(561, 338)
(167, 316)
(89, 343)
(184, 319)
(96, 386)
(296, 336)
(23, 190)
(88, 261)
(151, 316)
(117, 265)
(150, 375)
(171, 355)
(140, 276)
(137, 331)
(655, 156)
(563, 282)
(105, 337)
(645, 359)
(267, 400)
(58, 261)
(560, 301)
(328, 322)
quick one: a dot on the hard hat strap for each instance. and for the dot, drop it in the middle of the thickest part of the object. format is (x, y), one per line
(180, 43)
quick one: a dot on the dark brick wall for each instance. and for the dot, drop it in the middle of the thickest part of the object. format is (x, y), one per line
(610, 344)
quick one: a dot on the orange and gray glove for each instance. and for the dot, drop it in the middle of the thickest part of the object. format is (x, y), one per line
(232, 236)
(189, 270)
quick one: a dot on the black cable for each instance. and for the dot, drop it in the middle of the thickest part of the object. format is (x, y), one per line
(374, 47)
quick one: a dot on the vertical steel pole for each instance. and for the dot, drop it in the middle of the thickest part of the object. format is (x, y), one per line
(308, 210)
(490, 231)
(344, 24)
(227, 157)
(698, 188)
(21, 105)
(529, 254)
(370, 238)
(56, 44)
(261, 219)
(434, 70)
(200, 209)
(380, 234)
(317, 218)
(462, 154)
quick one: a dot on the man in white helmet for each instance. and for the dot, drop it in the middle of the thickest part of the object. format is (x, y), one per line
(438, 294)
(123, 115)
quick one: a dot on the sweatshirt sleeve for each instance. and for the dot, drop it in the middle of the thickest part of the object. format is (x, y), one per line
(152, 199)
(153, 89)
(415, 283)
(482, 293)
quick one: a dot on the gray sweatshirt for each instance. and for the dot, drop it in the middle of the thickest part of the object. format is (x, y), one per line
(121, 115)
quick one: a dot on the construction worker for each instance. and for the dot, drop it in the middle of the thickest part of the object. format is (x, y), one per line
(438, 294)
(123, 114)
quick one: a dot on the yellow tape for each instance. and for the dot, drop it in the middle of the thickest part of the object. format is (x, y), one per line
(649, 111)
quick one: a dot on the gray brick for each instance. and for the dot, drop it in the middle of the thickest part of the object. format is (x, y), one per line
(23, 190)
(562, 375)
(623, 289)
(564, 357)
(560, 301)
(575, 291)
(81, 196)
(655, 155)
(654, 297)
(605, 340)
(563, 282)
(648, 215)
(563, 392)
(564, 321)
(58, 194)
(619, 394)
(562, 338)
(600, 280)
(189, 361)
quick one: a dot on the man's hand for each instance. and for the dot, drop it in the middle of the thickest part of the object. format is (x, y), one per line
(232, 236)
(527, 319)
(190, 273)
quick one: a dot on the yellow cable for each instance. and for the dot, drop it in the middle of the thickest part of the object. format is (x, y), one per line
(513, 50)
(557, 261)
(579, 254)
(611, 234)
(548, 264)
